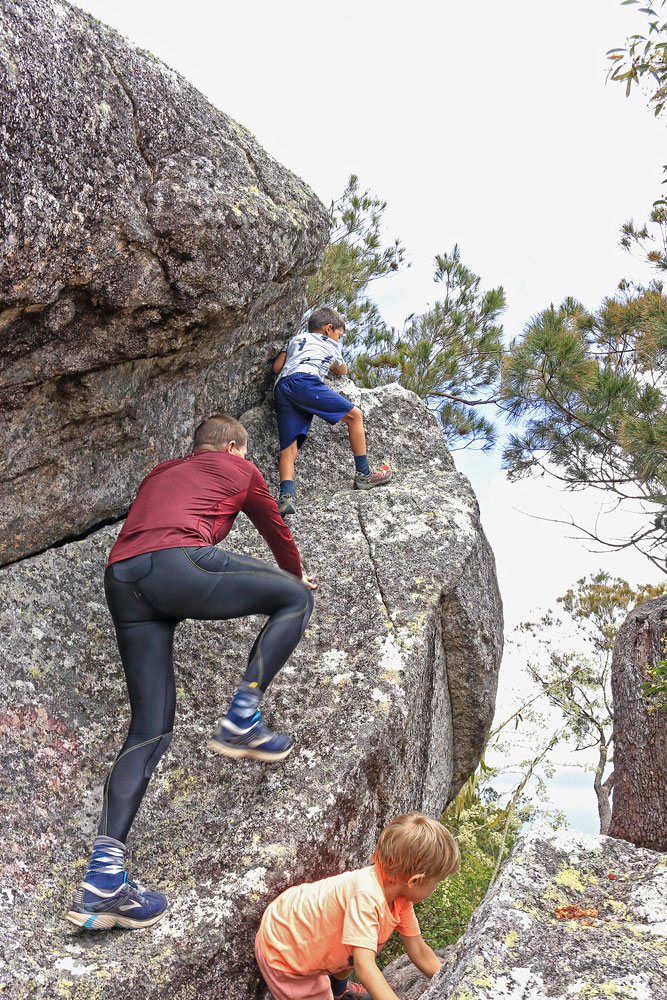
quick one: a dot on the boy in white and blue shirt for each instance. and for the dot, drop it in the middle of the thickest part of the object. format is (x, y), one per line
(301, 393)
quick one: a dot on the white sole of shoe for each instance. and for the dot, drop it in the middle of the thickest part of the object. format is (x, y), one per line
(254, 754)
(105, 921)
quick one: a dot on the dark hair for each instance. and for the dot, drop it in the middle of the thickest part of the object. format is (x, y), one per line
(322, 317)
(218, 429)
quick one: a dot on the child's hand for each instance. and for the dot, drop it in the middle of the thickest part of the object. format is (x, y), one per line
(309, 582)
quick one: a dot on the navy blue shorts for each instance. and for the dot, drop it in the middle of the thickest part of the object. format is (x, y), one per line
(297, 399)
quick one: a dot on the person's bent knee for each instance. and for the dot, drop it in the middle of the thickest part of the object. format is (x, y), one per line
(161, 747)
(353, 416)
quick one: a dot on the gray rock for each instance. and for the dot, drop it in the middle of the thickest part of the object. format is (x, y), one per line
(515, 946)
(407, 981)
(152, 263)
(385, 710)
(639, 812)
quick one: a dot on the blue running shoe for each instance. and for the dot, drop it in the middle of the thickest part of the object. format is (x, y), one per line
(253, 739)
(126, 906)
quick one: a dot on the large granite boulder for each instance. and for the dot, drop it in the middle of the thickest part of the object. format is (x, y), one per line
(516, 946)
(152, 262)
(389, 697)
(405, 978)
(639, 812)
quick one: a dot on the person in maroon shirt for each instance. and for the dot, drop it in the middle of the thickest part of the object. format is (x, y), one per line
(164, 567)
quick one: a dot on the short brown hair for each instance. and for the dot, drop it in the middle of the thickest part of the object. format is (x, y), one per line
(320, 318)
(413, 844)
(218, 429)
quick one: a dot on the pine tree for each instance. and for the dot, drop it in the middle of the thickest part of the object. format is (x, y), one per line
(449, 355)
(589, 395)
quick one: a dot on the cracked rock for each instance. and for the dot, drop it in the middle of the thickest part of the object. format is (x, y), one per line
(516, 947)
(388, 697)
(153, 257)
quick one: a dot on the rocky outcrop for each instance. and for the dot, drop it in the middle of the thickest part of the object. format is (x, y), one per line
(405, 978)
(517, 947)
(639, 811)
(152, 256)
(388, 698)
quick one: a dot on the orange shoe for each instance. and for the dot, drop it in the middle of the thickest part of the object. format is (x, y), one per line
(367, 480)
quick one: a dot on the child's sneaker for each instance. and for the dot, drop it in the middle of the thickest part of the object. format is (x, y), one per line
(126, 906)
(367, 480)
(355, 990)
(256, 740)
(286, 504)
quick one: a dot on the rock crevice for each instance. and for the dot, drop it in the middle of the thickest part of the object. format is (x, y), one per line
(516, 945)
(366, 697)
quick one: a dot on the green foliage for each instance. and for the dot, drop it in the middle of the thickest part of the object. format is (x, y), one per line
(353, 259)
(655, 688)
(589, 394)
(576, 682)
(449, 355)
(444, 916)
(644, 57)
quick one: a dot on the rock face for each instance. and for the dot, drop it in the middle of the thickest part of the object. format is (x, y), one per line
(515, 947)
(388, 697)
(152, 256)
(407, 981)
(639, 811)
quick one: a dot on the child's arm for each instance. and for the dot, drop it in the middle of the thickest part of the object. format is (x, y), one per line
(338, 369)
(421, 955)
(370, 976)
(279, 362)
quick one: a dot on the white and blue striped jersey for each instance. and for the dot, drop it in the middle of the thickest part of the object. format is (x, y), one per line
(311, 354)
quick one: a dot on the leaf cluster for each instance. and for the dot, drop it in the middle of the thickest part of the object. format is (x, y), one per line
(644, 58)
(449, 355)
(588, 393)
(444, 916)
(354, 257)
(655, 688)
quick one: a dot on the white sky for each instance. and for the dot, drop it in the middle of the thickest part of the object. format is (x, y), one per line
(488, 124)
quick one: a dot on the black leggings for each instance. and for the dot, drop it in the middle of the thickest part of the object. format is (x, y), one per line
(148, 595)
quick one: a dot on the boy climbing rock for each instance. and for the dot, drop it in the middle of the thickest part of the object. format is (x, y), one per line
(300, 393)
(313, 935)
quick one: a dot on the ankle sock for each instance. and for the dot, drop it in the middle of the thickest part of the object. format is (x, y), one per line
(245, 704)
(287, 487)
(106, 868)
(338, 986)
(361, 464)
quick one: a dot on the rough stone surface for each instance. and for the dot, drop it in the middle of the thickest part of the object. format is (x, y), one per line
(407, 981)
(152, 263)
(515, 948)
(386, 711)
(639, 812)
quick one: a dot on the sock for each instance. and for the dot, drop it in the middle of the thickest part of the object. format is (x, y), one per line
(338, 986)
(361, 464)
(287, 487)
(106, 868)
(245, 704)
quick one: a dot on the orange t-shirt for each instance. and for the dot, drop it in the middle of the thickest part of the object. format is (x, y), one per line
(312, 928)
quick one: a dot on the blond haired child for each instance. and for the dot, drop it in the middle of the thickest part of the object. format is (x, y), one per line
(313, 935)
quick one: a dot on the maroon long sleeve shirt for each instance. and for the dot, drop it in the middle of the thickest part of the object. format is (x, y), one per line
(194, 501)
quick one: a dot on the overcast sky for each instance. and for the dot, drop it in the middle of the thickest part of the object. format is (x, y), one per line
(488, 124)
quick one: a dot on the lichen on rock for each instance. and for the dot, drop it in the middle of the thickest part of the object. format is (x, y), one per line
(153, 257)
(516, 945)
(388, 697)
